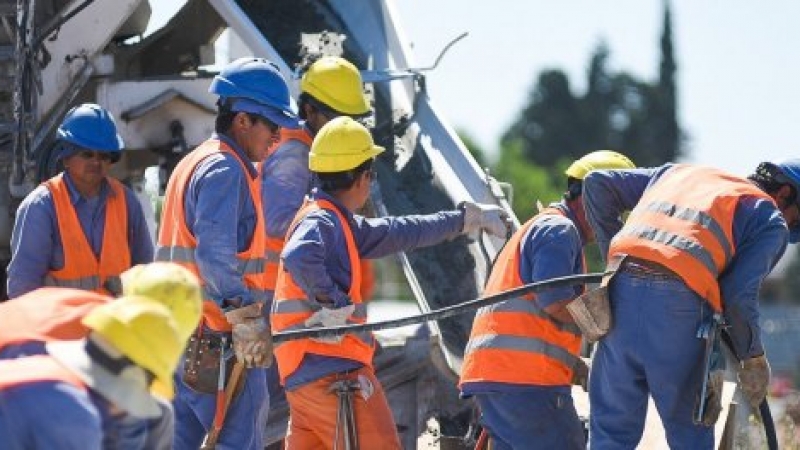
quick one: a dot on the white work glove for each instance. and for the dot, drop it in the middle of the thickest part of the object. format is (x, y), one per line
(252, 338)
(754, 379)
(330, 317)
(479, 216)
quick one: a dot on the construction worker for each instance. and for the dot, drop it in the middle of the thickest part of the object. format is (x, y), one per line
(319, 285)
(50, 314)
(523, 354)
(698, 242)
(64, 399)
(212, 223)
(330, 87)
(81, 228)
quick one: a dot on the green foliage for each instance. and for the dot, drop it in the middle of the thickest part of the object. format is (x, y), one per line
(474, 149)
(617, 112)
(530, 181)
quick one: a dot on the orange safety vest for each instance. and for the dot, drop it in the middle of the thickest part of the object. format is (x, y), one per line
(292, 306)
(47, 314)
(177, 244)
(275, 243)
(33, 369)
(516, 341)
(685, 222)
(82, 269)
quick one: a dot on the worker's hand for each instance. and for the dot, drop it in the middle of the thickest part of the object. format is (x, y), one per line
(753, 379)
(330, 317)
(580, 375)
(252, 338)
(491, 218)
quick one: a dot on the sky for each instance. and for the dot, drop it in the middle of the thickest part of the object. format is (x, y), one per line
(738, 64)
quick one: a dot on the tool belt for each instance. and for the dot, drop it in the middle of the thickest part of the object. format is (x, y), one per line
(592, 310)
(645, 268)
(202, 361)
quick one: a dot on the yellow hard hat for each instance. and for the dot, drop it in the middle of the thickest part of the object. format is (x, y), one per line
(601, 159)
(335, 82)
(340, 145)
(144, 332)
(172, 285)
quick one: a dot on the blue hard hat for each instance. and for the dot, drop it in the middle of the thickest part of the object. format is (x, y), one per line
(255, 85)
(91, 127)
(791, 170)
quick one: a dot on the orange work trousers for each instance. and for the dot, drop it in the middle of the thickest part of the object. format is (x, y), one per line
(313, 411)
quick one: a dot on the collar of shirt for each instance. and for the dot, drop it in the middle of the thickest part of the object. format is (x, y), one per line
(75, 196)
(318, 194)
(563, 207)
(251, 168)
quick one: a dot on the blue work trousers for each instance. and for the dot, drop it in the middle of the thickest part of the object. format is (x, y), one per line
(652, 349)
(530, 420)
(245, 421)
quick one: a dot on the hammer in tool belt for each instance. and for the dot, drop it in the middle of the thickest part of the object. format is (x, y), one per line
(224, 399)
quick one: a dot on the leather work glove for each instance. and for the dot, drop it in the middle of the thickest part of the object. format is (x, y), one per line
(252, 338)
(713, 398)
(580, 375)
(754, 379)
(330, 317)
(479, 216)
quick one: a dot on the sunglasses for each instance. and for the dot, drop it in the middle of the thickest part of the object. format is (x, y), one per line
(87, 154)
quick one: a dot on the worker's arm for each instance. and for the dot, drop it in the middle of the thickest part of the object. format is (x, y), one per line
(760, 239)
(139, 241)
(33, 242)
(223, 220)
(608, 194)
(285, 181)
(378, 237)
(552, 248)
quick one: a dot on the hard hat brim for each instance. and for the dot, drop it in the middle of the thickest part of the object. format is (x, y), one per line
(332, 163)
(127, 390)
(282, 118)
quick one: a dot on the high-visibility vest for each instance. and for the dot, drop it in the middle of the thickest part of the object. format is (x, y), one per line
(33, 369)
(275, 243)
(291, 307)
(47, 314)
(516, 341)
(685, 223)
(82, 269)
(176, 242)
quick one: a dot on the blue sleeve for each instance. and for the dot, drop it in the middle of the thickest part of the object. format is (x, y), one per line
(141, 245)
(316, 239)
(285, 182)
(608, 194)
(760, 236)
(32, 243)
(552, 248)
(219, 224)
(378, 237)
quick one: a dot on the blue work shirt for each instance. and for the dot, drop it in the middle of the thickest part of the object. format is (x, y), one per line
(760, 236)
(50, 414)
(285, 182)
(316, 256)
(36, 246)
(221, 215)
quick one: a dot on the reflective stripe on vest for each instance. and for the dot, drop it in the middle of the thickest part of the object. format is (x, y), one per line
(292, 307)
(177, 243)
(517, 341)
(82, 268)
(34, 369)
(685, 222)
(275, 243)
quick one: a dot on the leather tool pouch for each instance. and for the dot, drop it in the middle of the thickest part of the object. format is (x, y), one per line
(201, 363)
(592, 310)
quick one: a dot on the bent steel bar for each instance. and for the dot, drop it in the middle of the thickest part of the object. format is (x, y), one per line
(443, 312)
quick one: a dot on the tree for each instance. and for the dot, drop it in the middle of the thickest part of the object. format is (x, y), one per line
(617, 112)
